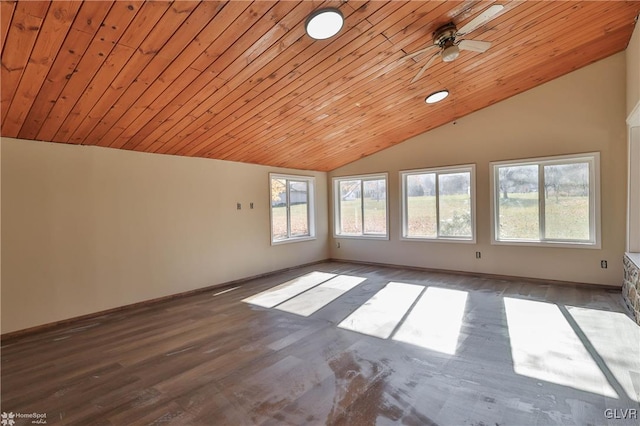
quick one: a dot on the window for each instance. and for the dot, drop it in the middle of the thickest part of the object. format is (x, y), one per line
(292, 208)
(360, 205)
(439, 204)
(551, 200)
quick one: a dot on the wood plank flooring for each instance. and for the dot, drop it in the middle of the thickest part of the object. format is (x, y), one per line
(504, 353)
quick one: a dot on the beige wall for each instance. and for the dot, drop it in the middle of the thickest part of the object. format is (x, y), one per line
(633, 70)
(88, 229)
(581, 112)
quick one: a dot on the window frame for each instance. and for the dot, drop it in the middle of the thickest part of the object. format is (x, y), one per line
(336, 205)
(593, 158)
(311, 205)
(633, 181)
(462, 168)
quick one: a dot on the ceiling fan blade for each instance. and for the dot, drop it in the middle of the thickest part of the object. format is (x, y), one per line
(481, 19)
(424, 68)
(474, 45)
(418, 52)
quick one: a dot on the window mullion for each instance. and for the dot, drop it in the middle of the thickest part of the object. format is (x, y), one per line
(362, 205)
(405, 206)
(308, 209)
(338, 200)
(437, 205)
(288, 209)
(541, 202)
(592, 202)
(496, 202)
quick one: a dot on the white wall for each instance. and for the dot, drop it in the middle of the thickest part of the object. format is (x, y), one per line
(583, 111)
(88, 229)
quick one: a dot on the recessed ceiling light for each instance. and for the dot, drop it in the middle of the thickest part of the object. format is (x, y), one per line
(437, 96)
(324, 23)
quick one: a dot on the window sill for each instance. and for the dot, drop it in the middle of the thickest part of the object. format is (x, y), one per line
(292, 240)
(439, 240)
(548, 244)
(362, 237)
(634, 258)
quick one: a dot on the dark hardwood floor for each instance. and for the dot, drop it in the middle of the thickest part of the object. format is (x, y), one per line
(462, 350)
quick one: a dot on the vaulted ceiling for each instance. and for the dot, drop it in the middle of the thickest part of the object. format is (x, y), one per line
(242, 81)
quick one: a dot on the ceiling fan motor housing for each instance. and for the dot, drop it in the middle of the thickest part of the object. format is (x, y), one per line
(445, 37)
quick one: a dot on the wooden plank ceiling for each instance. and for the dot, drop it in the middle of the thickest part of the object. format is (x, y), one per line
(242, 81)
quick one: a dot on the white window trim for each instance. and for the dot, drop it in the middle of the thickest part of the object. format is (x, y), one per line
(311, 210)
(336, 206)
(633, 181)
(594, 198)
(439, 170)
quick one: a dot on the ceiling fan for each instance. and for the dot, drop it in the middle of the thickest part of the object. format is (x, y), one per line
(447, 40)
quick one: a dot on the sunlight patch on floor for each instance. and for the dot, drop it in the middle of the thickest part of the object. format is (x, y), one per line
(434, 322)
(380, 315)
(276, 295)
(316, 298)
(225, 291)
(545, 347)
(616, 338)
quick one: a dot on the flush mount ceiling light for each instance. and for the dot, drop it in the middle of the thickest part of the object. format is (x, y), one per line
(437, 96)
(324, 23)
(450, 53)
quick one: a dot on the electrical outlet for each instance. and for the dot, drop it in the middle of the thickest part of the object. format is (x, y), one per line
(478, 255)
(238, 206)
(251, 205)
(603, 264)
(337, 245)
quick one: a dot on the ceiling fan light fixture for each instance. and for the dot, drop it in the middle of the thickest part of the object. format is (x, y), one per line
(437, 96)
(450, 53)
(324, 23)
